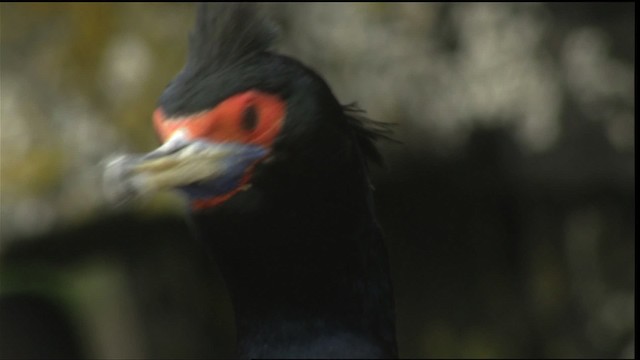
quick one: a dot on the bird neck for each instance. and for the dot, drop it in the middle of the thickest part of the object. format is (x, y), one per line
(306, 271)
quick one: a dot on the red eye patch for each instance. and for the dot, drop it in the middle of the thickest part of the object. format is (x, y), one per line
(252, 117)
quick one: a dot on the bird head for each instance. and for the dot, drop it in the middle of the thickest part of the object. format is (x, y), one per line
(237, 110)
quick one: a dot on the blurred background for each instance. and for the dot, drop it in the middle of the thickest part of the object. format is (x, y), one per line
(509, 207)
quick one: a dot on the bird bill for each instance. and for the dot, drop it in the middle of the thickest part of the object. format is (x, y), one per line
(176, 163)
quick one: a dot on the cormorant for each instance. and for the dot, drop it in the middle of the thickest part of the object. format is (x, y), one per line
(275, 171)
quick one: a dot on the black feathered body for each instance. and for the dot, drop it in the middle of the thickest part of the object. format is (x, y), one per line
(304, 261)
(300, 251)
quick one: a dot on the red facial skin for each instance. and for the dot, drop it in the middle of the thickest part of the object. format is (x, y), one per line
(224, 123)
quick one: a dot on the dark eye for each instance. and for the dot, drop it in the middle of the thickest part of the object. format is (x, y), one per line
(249, 118)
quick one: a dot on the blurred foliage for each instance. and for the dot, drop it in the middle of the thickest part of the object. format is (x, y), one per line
(509, 209)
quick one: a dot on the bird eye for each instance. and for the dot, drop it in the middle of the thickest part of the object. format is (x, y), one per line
(249, 118)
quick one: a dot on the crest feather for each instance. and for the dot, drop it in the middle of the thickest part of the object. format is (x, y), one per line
(225, 34)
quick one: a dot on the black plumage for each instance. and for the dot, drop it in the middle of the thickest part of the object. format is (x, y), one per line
(300, 249)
